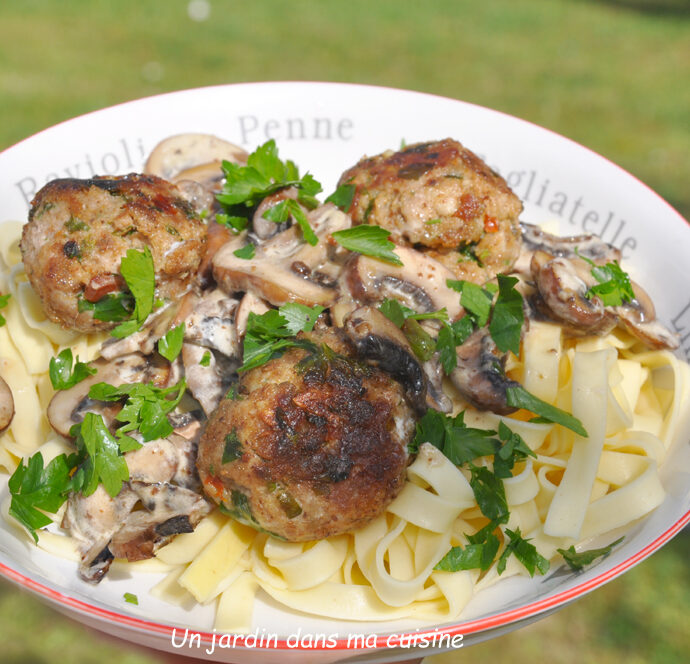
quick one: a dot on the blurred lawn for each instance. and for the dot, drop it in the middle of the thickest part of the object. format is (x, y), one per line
(612, 75)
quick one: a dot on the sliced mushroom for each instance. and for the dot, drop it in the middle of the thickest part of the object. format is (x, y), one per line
(419, 283)
(262, 228)
(639, 318)
(184, 151)
(187, 424)
(92, 521)
(210, 381)
(197, 193)
(68, 407)
(535, 239)
(479, 375)
(381, 342)
(562, 284)
(285, 268)
(216, 236)
(212, 323)
(186, 474)
(168, 511)
(6, 405)
(155, 461)
(144, 340)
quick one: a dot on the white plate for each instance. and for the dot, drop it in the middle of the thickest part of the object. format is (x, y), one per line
(325, 127)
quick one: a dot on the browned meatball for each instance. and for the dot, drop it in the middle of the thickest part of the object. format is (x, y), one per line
(79, 231)
(314, 445)
(442, 196)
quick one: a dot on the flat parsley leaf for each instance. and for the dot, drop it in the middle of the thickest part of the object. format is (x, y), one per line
(525, 552)
(270, 333)
(61, 374)
(514, 449)
(35, 489)
(170, 345)
(290, 207)
(103, 461)
(518, 397)
(342, 197)
(265, 173)
(475, 299)
(576, 561)
(246, 252)
(145, 409)
(614, 285)
(368, 240)
(139, 274)
(113, 307)
(508, 316)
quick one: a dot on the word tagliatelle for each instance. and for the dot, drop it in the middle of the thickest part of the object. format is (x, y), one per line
(574, 489)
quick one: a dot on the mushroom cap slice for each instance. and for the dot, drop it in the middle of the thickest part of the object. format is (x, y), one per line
(6, 405)
(479, 375)
(380, 341)
(419, 283)
(285, 268)
(184, 151)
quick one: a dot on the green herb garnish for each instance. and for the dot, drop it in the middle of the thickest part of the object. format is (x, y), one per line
(233, 448)
(270, 334)
(205, 359)
(131, 598)
(525, 552)
(61, 374)
(4, 299)
(35, 490)
(246, 186)
(576, 561)
(370, 241)
(518, 397)
(246, 252)
(139, 275)
(113, 307)
(170, 345)
(282, 211)
(145, 410)
(342, 197)
(508, 316)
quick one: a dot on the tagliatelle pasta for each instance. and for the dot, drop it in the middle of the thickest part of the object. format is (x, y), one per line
(630, 401)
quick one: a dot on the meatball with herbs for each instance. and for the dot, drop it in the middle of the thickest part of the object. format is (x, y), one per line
(442, 198)
(79, 231)
(310, 444)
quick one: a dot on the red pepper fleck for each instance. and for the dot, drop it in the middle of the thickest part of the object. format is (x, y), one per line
(490, 224)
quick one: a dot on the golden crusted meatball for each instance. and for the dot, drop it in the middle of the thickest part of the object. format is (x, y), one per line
(315, 444)
(441, 196)
(79, 231)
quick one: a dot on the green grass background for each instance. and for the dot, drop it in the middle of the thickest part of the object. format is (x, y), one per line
(613, 75)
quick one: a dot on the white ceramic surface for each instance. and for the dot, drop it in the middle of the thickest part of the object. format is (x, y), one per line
(324, 128)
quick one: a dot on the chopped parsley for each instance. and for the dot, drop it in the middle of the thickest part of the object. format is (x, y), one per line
(265, 173)
(35, 490)
(268, 335)
(246, 253)
(234, 223)
(139, 275)
(368, 240)
(170, 345)
(508, 316)
(577, 561)
(113, 307)
(61, 374)
(614, 285)
(4, 299)
(281, 212)
(233, 448)
(525, 552)
(342, 197)
(205, 359)
(131, 598)
(518, 397)
(145, 408)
